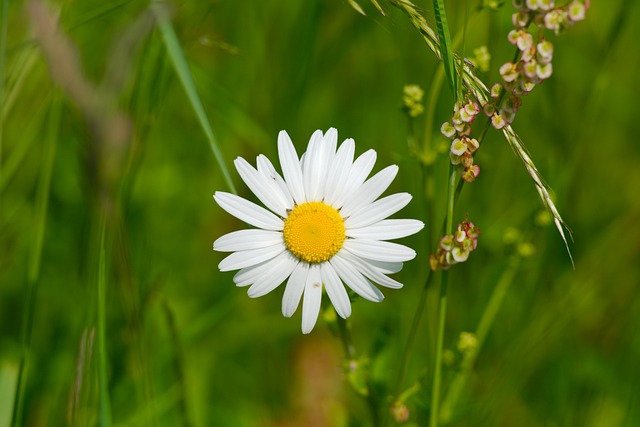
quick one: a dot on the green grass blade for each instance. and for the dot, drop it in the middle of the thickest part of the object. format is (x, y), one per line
(35, 256)
(16, 77)
(19, 152)
(357, 7)
(184, 74)
(105, 401)
(446, 48)
(8, 382)
(3, 54)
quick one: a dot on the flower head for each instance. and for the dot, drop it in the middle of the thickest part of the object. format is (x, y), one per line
(323, 228)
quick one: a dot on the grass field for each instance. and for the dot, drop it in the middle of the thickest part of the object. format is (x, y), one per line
(120, 119)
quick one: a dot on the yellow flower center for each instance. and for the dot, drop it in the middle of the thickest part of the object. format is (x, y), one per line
(314, 232)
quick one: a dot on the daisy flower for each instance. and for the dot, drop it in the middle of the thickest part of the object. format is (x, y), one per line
(323, 227)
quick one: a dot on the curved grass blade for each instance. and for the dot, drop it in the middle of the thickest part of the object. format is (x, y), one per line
(184, 74)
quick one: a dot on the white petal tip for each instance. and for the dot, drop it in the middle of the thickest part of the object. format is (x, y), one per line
(344, 315)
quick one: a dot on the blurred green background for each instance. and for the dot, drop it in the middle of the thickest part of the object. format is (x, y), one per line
(184, 345)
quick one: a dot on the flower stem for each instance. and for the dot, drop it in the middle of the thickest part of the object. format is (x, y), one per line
(442, 310)
(486, 321)
(350, 356)
(412, 334)
(345, 338)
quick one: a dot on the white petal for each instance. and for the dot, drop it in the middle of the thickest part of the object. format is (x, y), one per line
(354, 279)
(360, 170)
(378, 210)
(265, 167)
(387, 229)
(248, 211)
(328, 158)
(312, 299)
(385, 267)
(291, 167)
(266, 191)
(369, 191)
(335, 290)
(294, 289)
(248, 275)
(243, 240)
(339, 171)
(283, 265)
(377, 250)
(312, 167)
(371, 271)
(242, 259)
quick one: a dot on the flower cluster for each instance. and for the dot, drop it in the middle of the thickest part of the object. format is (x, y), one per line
(412, 100)
(481, 58)
(462, 145)
(533, 65)
(456, 248)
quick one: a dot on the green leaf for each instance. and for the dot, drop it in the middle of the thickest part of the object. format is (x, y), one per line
(176, 55)
(446, 48)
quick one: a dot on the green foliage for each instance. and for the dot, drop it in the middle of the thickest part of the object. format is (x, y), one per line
(446, 48)
(182, 344)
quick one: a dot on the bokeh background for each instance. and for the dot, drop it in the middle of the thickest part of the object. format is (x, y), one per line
(184, 345)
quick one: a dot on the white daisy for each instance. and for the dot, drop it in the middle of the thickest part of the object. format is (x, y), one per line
(324, 226)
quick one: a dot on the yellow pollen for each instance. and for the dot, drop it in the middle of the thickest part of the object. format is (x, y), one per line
(314, 232)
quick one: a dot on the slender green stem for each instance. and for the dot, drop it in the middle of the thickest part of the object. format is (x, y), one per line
(412, 333)
(184, 74)
(178, 363)
(3, 51)
(345, 338)
(105, 403)
(35, 256)
(442, 310)
(486, 321)
(350, 356)
(437, 369)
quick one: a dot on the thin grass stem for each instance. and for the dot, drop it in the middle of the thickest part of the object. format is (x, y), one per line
(3, 54)
(486, 322)
(176, 55)
(412, 333)
(345, 338)
(350, 356)
(103, 386)
(35, 257)
(442, 309)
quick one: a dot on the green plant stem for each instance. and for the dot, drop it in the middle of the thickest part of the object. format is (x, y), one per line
(3, 52)
(103, 386)
(350, 355)
(437, 369)
(412, 333)
(428, 154)
(345, 338)
(35, 257)
(486, 322)
(442, 310)
(184, 74)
